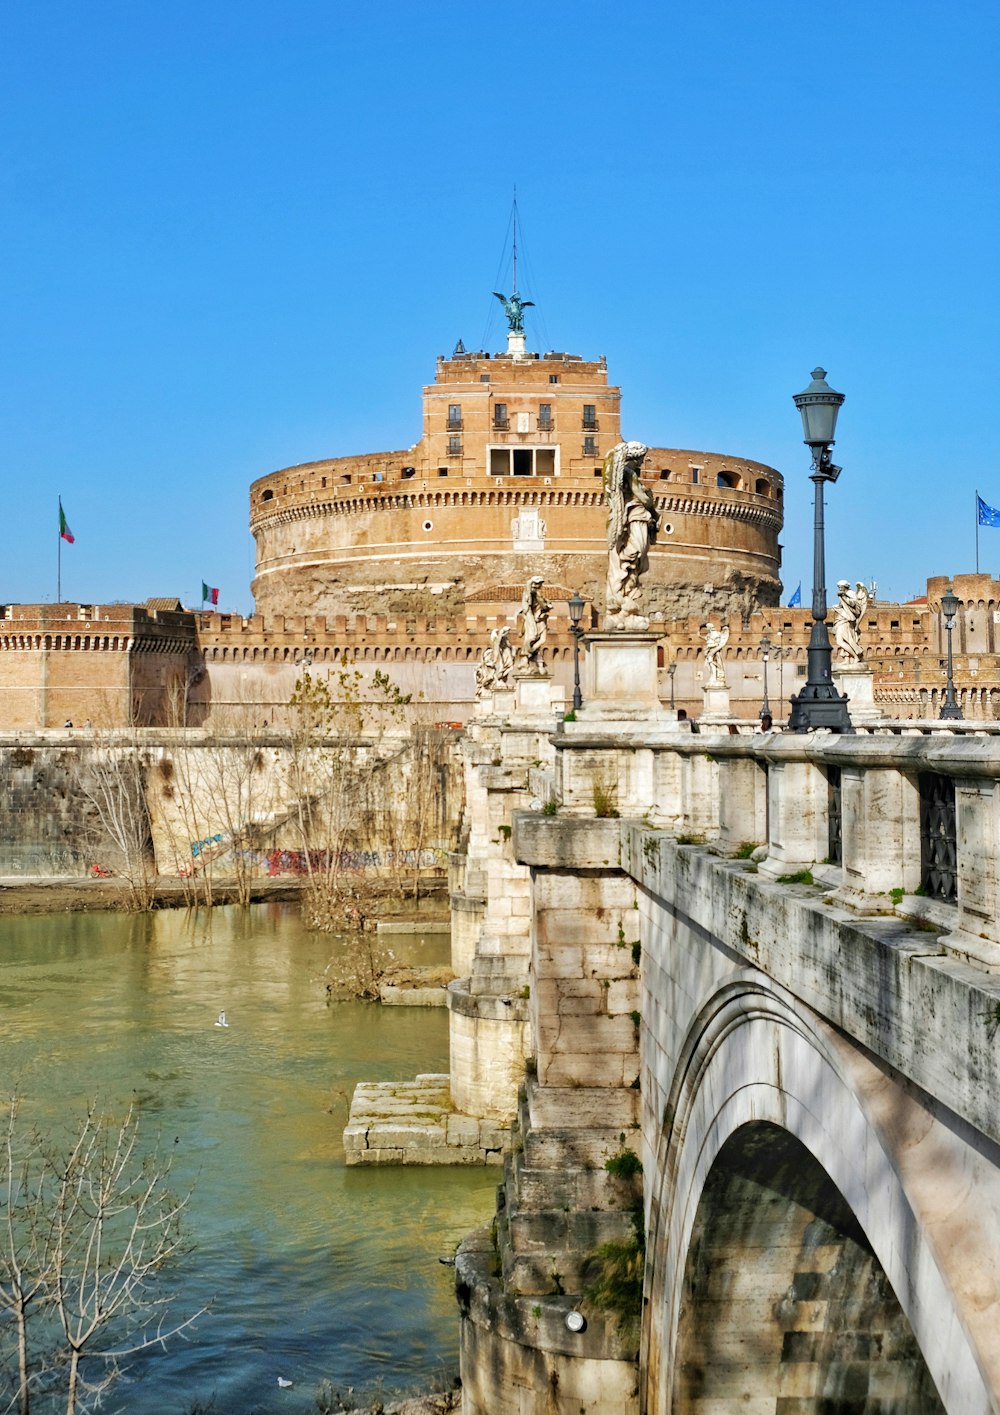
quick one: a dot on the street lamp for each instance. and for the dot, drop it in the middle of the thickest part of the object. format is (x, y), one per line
(949, 607)
(765, 653)
(671, 670)
(819, 704)
(575, 615)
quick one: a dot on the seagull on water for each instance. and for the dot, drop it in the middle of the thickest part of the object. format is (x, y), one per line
(220, 1021)
(285, 1385)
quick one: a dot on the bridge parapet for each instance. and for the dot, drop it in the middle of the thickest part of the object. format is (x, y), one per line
(886, 822)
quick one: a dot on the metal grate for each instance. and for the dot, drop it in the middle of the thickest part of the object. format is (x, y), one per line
(938, 854)
(834, 817)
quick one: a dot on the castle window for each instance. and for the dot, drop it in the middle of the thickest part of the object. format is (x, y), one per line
(267, 496)
(454, 446)
(665, 474)
(590, 446)
(442, 471)
(454, 417)
(522, 461)
(762, 488)
(545, 417)
(500, 416)
(409, 472)
(695, 473)
(590, 417)
(727, 480)
(553, 378)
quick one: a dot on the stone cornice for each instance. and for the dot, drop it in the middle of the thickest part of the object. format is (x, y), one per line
(731, 505)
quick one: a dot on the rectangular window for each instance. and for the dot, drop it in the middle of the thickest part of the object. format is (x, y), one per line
(454, 447)
(545, 417)
(694, 475)
(454, 416)
(553, 378)
(500, 415)
(590, 415)
(590, 446)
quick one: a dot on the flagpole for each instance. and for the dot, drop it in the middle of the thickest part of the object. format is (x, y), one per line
(977, 530)
(59, 558)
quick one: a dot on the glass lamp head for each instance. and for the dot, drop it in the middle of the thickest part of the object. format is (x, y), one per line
(949, 606)
(818, 407)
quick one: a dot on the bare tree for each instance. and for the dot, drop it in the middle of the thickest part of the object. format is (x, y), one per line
(338, 744)
(113, 784)
(84, 1235)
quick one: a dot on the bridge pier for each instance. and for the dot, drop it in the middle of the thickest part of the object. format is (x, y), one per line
(816, 1084)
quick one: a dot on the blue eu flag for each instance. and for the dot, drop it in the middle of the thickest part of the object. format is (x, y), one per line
(988, 515)
(796, 598)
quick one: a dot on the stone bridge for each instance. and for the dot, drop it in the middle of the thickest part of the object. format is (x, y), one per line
(768, 967)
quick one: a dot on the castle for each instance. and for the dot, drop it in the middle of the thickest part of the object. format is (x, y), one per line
(504, 483)
(407, 560)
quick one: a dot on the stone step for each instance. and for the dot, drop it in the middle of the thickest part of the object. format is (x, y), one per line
(567, 1107)
(556, 1232)
(573, 1188)
(575, 1149)
(413, 1122)
(539, 1258)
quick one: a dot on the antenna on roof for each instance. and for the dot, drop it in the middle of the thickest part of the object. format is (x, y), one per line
(515, 238)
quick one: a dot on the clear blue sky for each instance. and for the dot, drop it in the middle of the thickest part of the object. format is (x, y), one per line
(236, 234)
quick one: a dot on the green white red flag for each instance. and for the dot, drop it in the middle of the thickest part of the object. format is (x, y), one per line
(64, 529)
(209, 593)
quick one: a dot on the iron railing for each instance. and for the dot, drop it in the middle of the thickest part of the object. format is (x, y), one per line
(938, 847)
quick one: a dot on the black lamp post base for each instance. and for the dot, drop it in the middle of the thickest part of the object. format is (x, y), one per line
(819, 705)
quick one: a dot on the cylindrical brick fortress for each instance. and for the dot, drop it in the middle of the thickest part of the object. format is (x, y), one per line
(506, 483)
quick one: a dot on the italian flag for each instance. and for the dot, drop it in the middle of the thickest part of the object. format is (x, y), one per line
(209, 593)
(64, 529)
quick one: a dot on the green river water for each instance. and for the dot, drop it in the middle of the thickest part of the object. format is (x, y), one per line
(314, 1271)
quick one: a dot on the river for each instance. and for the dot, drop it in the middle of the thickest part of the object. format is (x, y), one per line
(313, 1271)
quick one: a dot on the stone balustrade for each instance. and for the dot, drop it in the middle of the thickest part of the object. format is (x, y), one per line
(906, 820)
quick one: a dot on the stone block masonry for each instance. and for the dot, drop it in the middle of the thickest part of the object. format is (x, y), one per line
(414, 1122)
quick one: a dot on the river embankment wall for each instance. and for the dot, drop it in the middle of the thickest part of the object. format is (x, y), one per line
(68, 797)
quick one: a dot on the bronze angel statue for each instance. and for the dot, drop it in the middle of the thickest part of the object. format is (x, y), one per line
(514, 308)
(632, 525)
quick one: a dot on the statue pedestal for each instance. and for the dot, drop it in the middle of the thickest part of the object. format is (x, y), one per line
(536, 695)
(496, 702)
(716, 707)
(857, 680)
(620, 676)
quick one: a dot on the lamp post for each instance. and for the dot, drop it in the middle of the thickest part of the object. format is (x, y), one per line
(819, 704)
(765, 653)
(949, 607)
(672, 669)
(575, 615)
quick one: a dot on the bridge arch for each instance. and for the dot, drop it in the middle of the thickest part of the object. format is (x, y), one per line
(766, 1094)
